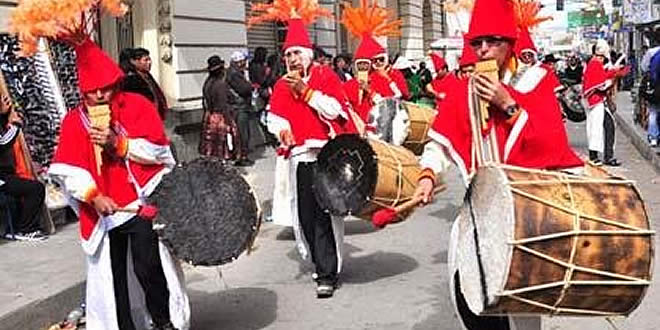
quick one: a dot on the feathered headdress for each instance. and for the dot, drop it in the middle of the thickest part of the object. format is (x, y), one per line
(368, 21)
(526, 12)
(296, 13)
(33, 19)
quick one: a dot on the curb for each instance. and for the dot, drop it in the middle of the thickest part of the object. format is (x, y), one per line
(638, 139)
(39, 314)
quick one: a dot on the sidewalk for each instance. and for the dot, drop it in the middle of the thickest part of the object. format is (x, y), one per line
(626, 124)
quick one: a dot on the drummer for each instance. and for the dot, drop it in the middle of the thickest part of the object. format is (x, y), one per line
(308, 108)
(135, 156)
(528, 127)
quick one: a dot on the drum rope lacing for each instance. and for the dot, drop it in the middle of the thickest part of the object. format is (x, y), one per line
(400, 178)
(577, 232)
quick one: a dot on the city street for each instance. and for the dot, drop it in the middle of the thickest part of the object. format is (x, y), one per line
(393, 279)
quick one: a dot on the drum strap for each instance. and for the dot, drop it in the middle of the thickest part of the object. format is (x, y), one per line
(482, 273)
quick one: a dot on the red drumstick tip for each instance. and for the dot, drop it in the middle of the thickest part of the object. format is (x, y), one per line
(147, 212)
(383, 217)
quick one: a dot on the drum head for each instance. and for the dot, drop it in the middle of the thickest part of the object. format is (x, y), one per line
(208, 214)
(571, 103)
(346, 175)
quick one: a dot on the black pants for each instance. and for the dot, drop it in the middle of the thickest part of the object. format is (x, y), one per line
(148, 270)
(609, 130)
(243, 118)
(473, 321)
(31, 193)
(316, 226)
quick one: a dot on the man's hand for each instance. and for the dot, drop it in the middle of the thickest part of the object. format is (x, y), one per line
(104, 205)
(424, 190)
(103, 137)
(493, 92)
(364, 85)
(295, 83)
(287, 139)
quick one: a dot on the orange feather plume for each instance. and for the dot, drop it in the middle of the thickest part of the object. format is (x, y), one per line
(370, 19)
(283, 10)
(526, 12)
(34, 19)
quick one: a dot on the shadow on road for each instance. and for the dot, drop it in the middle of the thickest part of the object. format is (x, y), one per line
(358, 226)
(375, 266)
(234, 309)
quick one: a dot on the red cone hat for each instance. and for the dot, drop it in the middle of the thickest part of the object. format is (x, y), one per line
(438, 62)
(493, 18)
(468, 57)
(96, 69)
(296, 34)
(524, 42)
(368, 48)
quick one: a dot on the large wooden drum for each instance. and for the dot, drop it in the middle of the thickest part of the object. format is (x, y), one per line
(420, 121)
(538, 242)
(357, 176)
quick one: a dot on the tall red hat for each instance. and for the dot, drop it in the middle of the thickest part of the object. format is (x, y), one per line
(96, 69)
(493, 18)
(368, 48)
(296, 34)
(468, 57)
(524, 43)
(438, 62)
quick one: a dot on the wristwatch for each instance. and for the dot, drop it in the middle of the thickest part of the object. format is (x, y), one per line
(512, 110)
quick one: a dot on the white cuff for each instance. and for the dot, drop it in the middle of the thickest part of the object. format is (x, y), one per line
(326, 106)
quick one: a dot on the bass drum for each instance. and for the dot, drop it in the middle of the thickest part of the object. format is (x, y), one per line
(572, 104)
(534, 242)
(207, 213)
(357, 176)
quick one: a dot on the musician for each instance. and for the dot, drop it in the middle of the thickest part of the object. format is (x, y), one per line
(528, 130)
(135, 156)
(308, 107)
(600, 121)
(531, 68)
(438, 86)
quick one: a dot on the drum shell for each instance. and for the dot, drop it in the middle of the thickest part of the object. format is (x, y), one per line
(398, 171)
(420, 122)
(503, 215)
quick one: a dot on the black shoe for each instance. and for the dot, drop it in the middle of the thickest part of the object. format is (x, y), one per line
(34, 236)
(595, 162)
(244, 162)
(324, 290)
(612, 162)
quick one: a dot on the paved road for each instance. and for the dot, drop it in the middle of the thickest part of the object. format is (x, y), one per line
(393, 279)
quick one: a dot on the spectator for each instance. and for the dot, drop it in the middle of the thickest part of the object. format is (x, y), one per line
(424, 74)
(257, 67)
(30, 193)
(340, 65)
(654, 105)
(573, 71)
(136, 64)
(218, 122)
(241, 100)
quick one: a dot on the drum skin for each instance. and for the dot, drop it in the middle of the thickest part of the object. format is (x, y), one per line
(503, 278)
(359, 176)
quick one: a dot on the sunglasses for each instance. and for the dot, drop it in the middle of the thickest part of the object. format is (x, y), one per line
(490, 41)
(380, 59)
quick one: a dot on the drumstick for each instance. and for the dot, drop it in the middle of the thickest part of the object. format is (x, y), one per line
(387, 215)
(146, 212)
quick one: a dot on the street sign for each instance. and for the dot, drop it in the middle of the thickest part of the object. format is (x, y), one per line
(586, 18)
